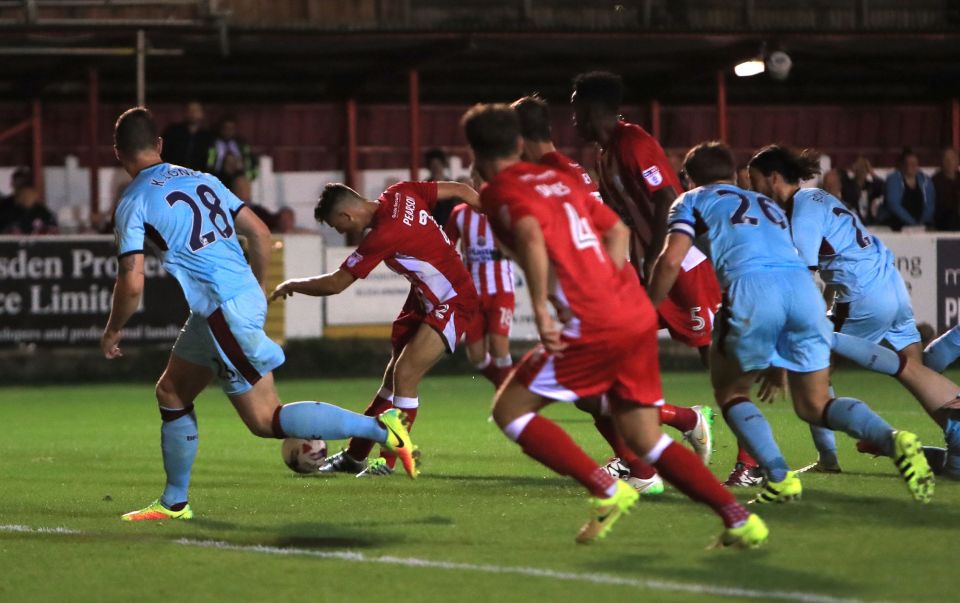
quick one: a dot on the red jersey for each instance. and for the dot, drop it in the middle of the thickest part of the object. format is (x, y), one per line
(631, 168)
(492, 273)
(583, 277)
(561, 162)
(404, 235)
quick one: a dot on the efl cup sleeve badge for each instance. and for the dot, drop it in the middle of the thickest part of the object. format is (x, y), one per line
(653, 176)
(354, 259)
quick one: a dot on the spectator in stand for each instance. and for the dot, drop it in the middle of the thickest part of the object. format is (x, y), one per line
(228, 143)
(862, 191)
(947, 187)
(186, 143)
(910, 198)
(29, 215)
(833, 183)
(22, 177)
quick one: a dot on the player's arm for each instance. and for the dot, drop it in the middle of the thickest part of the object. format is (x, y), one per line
(667, 266)
(459, 190)
(531, 250)
(127, 292)
(316, 286)
(258, 241)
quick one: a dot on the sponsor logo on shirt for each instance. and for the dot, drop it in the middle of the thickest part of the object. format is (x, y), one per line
(354, 259)
(652, 176)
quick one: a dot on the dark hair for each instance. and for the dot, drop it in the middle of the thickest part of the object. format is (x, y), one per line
(435, 153)
(135, 131)
(534, 113)
(599, 87)
(709, 162)
(792, 166)
(333, 194)
(492, 130)
(906, 152)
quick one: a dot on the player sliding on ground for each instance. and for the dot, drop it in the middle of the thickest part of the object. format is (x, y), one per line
(870, 301)
(573, 248)
(772, 315)
(696, 423)
(439, 308)
(194, 221)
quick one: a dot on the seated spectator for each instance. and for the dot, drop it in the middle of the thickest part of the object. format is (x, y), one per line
(228, 143)
(910, 198)
(832, 183)
(186, 143)
(862, 191)
(21, 177)
(947, 186)
(29, 215)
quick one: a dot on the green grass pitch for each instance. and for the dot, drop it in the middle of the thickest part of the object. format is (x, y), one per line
(77, 457)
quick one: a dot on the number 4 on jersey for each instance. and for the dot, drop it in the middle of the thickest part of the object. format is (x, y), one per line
(581, 232)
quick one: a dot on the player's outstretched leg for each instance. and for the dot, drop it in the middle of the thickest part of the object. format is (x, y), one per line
(695, 424)
(515, 411)
(179, 385)
(685, 471)
(943, 351)
(753, 430)
(641, 476)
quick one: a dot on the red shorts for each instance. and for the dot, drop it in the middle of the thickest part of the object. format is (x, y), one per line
(450, 321)
(690, 306)
(622, 363)
(494, 317)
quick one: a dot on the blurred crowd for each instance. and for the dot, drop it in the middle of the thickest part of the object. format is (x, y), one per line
(906, 197)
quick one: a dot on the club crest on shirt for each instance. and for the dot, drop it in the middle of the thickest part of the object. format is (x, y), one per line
(482, 241)
(652, 176)
(354, 259)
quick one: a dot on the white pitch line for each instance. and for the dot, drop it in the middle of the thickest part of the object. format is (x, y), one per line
(606, 579)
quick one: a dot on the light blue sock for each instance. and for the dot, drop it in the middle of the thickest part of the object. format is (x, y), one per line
(753, 430)
(855, 418)
(322, 421)
(952, 434)
(870, 356)
(943, 351)
(826, 444)
(178, 441)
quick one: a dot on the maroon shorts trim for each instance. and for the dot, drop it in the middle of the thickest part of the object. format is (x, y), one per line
(228, 343)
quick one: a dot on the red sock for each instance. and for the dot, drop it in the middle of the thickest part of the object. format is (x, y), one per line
(358, 448)
(492, 373)
(687, 473)
(608, 430)
(411, 416)
(544, 441)
(678, 417)
(867, 448)
(744, 457)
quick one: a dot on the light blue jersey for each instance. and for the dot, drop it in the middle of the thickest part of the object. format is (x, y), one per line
(830, 237)
(772, 313)
(190, 217)
(747, 231)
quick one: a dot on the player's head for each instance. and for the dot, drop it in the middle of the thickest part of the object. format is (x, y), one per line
(596, 100)
(136, 139)
(341, 207)
(493, 131)
(534, 114)
(710, 162)
(776, 171)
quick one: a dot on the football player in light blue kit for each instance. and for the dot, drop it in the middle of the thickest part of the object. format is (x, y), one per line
(943, 351)
(870, 299)
(194, 221)
(772, 316)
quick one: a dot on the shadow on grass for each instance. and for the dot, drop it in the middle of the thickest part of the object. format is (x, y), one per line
(504, 479)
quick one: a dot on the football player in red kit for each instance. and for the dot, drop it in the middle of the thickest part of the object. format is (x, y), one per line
(575, 249)
(695, 423)
(441, 304)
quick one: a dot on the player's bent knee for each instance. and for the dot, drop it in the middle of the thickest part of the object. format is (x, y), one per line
(166, 393)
